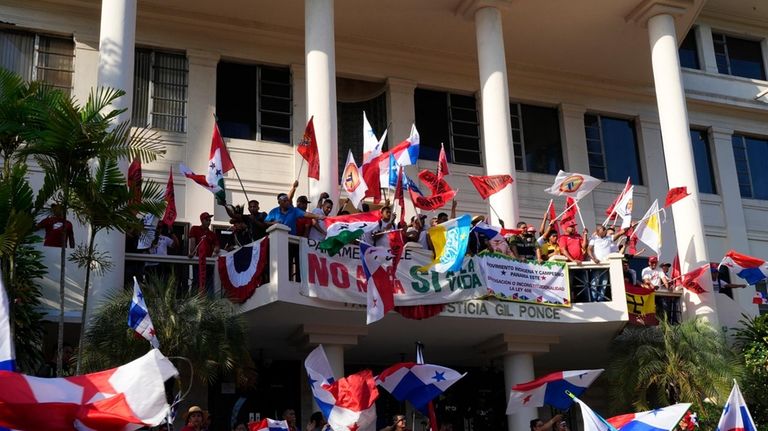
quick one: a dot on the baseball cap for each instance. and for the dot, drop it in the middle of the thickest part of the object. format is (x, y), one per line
(531, 229)
(282, 196)
(302, 198)
(653, 259)
(205, 215)
(666, 264)
(570, 223)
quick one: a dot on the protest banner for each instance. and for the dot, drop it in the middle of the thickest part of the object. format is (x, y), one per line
(513, 280)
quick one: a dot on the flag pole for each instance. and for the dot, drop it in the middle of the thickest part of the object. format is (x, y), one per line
(242, 187)
(430, 404)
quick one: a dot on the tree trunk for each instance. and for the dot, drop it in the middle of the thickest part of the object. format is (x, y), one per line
(62, 285)
(83, 323)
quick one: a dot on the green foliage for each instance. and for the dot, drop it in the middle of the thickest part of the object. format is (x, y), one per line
(657, 366)
(753, 341)
(24, 295)
(209, 332)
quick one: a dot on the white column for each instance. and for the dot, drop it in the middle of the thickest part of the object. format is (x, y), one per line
(497, 133)
(321, 92)
(678, 152)
(575, 155)
(117, 39)
(705, 47)
(518, 368)
(335, 355)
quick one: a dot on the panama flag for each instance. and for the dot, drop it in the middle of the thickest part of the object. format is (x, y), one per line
(219, 163)
(138, 317)
(354, 408)
(320, 376)
(372, 146)
(373, 157)
(649, 229)
(593, 421)
(572, 184)
(380, 289)
(417, 383)
(241, 270)
(450, 240)
(550, 390)
(342, 230)
(751, 269)
(663, 419)
(442, 164)
(123, 398)
(352, 181)
(268, 425)
(407, 152)
(736, 415)
(7, 353)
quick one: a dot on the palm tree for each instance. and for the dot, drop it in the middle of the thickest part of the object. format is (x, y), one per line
(661, 365)
(105, 203)
(752, 339)
(208, 332)
(65, 139)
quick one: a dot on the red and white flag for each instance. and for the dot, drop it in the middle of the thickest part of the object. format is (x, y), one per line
(399, 195)
(435, 185)
(355, 397)
(219, 163)
(610, 212)
(693, 280)
(127, 397)
(307, 148)
(442, 164)
(572, 184)
(380, 288)
(170, 202)
(487, 185)
(552, 216)
(675, 194)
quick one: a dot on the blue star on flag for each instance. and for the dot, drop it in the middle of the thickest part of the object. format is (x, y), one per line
(439, 377)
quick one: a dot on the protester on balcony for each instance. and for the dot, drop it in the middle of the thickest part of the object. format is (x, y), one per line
(195, 419)
(654, 274)
(255, 220)
(417, 232)
(321, 200)
(53, 225)
(203, 242)
(164, 240)
(378, 236)
(289, 416)
(539, 425)
(317, 423)
(549, 248)
(602, 243)
(317, 231)
(573, 245)
(292, 191)
(286, 214)
(627, 270)
(721, 280)
(398, 424)
(303, 224)
(477, 240)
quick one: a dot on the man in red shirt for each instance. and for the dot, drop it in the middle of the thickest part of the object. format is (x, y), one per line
(203, 243)
(53, 226)
(572, 244)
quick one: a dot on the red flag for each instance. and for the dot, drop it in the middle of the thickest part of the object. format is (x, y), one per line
(609, 212)
(552, 215)
(675, 194)
(307, 148)
(570, 212)
(433, 183)
(442, 164)
(431, 203)
(396, 245)
(399, 193)
(218, 143)
(690, 280)
(170, 202)
(676, 272)
(487, 185)
(134, 179)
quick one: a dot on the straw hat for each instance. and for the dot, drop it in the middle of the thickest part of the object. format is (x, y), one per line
(195, 409)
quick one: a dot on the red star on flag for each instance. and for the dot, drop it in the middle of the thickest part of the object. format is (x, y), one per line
(526, 399)
(93, 385)
(354, 427)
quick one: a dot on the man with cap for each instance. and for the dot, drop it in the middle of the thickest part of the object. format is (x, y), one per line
(573, 245)
(287, 214)
(195, 419)
(654, 274)
(203, 242)
(303, 224)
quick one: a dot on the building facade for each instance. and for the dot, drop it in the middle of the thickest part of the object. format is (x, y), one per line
(667, 93)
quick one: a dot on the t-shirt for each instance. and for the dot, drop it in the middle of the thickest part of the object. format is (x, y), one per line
(288, 218)
(655, 275)
(53, 227)
(525, 245)
(572, 244)
(548, 249)
(257, 232)
(206, 240)
(161, 248)
(315, 233)
(602, 246)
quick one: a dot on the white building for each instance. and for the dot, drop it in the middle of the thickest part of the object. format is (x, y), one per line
(667, 92)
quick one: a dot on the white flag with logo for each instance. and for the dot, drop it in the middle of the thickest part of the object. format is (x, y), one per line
(574, 185)
(352, 181)
(623, 208)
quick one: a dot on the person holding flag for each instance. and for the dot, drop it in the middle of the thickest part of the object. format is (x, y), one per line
(286, 214)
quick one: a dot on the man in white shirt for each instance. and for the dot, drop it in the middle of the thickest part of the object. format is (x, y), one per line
(601, 244)
(654, 274)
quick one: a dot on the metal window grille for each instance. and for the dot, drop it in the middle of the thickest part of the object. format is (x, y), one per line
(595, 146)
(275, 107)
(721, 53)
(464, 130)
(518, 141)
(160, 88)
(743, 172)
(37, 57)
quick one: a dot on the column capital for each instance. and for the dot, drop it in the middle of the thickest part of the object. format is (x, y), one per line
(506, 344)
(718, 132)
(467, 8)
(573, 110)
(648, 9)
(199, 57)
(400, 85)
(311, 335)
